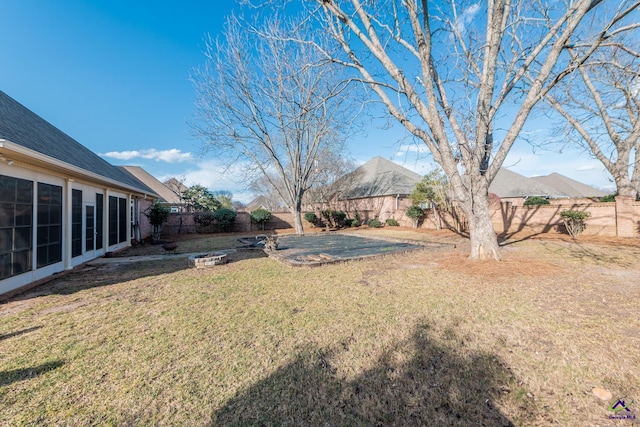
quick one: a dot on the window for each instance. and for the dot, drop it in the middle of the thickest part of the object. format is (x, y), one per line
(122, 220)
(117, 220)
(49, 224)
(76, 223)
(113, 220)
(16, 225)
(99, 220)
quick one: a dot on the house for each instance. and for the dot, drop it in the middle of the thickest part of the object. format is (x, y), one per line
(60, 204)
(377, 189)
(572, 188)
(515, 188)
(169, 192)
(264, 202)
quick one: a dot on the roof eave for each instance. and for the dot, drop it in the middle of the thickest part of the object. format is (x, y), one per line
(24, 155)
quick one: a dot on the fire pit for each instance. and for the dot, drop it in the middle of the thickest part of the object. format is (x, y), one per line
(207, 259)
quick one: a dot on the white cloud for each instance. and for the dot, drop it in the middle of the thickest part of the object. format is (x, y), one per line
(418, 148)
(467, 17)
(173, 155)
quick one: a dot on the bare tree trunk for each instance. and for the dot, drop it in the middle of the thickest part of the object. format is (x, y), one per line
(484, 241)
(624, 185)
(296, 211)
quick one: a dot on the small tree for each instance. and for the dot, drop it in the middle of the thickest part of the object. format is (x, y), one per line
(157, 214)
(574, 221)
(225, 217)
(432, 191)
(260, 216)
(415, 213)
(198, 198)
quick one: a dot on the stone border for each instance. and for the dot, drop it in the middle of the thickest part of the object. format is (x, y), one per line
(207, 259)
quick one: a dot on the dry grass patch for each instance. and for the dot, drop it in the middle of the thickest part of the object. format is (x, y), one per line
(404, 340)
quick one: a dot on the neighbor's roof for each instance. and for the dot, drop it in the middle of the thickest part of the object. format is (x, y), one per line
(377, 177)
(262, 202)
(150, 181)
(569, 186)
(22, 127)
(510, 184)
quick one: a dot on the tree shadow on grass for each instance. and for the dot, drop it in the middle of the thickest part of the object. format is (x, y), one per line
(95, 275)
(421, 381)
(20, 332)
(14, 375)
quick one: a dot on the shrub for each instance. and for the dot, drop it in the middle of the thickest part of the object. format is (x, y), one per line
(392, 222)
(157, 214)
(334, 218)
(225, 217)
(374, 223)
(609, 198)
(310, 217)
(415, 213)
(536, 201)
(574, 221)
(203, 219)
(260, 216)
(353, 222)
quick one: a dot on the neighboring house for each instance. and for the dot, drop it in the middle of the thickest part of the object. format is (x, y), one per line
(263, 202)
(515, 188)
(378, 189)
(60, 203)
(568, 186)
(175, 200)
(169, 192)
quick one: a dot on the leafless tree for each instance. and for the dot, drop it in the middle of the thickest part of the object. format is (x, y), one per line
(464, 76)
(272, 105)
(601, 109)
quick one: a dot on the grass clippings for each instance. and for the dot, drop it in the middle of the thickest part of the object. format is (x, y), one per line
(414, 339)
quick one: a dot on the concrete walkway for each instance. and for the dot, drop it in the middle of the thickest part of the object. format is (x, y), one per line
(139, 258)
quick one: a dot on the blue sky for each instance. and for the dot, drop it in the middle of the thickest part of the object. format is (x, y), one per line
(114, 75)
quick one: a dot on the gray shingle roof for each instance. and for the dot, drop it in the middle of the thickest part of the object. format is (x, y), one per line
(569, 186)
(378, 177)
(23, 127)
(165, 193)
(510, 184)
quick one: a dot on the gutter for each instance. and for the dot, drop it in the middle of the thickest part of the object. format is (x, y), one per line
(18, 149)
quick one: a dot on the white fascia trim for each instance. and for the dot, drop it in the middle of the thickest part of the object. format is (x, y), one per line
(83, 172)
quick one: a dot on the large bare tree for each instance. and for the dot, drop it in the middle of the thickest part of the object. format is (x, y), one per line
(464, 76)
(601, 108)
(271, 105)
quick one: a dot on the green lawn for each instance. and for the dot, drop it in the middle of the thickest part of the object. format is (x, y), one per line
(422, 338)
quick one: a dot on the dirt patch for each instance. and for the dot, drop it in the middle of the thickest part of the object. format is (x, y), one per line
(511, 266)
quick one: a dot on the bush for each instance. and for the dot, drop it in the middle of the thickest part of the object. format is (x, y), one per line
(334, 218)
(374, 223)
(260, 216)
(392, 222)
(225, 217)
(609, 197)
(353, 222)
(574, 221)
(536, 201)
(157, 214)
(415, 213)
(310, 217)
(203, 219)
